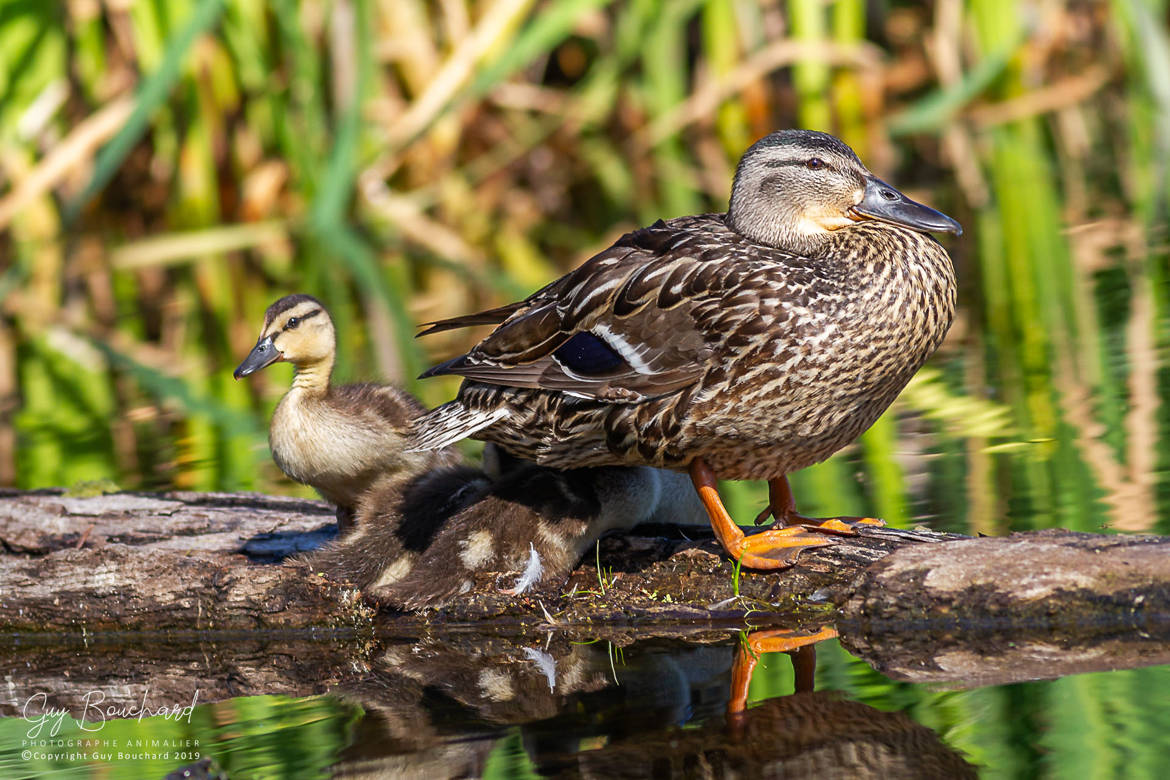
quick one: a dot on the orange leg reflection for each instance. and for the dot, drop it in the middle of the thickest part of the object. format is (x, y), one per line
(798, 644)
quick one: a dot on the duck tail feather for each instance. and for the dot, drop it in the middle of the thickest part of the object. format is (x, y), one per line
(449, 423)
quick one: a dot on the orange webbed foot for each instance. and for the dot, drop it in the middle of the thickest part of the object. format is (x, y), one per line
(842, 526)
(782, 506)
(777, 548)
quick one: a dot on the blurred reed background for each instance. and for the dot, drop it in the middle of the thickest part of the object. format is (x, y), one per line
(170, 167)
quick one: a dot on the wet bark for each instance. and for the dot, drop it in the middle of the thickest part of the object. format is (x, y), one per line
(162, 562)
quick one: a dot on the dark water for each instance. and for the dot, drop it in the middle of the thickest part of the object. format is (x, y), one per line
(469, 704)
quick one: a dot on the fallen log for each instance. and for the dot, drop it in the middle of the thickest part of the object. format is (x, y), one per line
(918, 604)
(161, 562)
(184, 561)
(1029, 606)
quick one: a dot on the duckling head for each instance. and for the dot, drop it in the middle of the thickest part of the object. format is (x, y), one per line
(296, 329)
(794, 188)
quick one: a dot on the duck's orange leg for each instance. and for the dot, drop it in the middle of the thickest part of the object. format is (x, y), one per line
(782, 506)
(798, 644)
(772, 549)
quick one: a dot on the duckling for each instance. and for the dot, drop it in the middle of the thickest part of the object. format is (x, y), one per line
(338, 439)
(420, 541)
(744, 345)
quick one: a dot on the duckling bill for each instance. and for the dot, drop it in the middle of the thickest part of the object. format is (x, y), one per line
(338, 439)
(743, 345)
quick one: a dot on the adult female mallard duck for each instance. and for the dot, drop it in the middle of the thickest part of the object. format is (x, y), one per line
(744, 345)
(336, 438)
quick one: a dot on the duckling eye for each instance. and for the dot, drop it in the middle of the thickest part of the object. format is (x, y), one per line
(292, 323)
(815, 164)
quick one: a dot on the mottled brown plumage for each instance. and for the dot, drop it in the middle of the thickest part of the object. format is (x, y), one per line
(338, 439)
(757, 342)
(422, 539)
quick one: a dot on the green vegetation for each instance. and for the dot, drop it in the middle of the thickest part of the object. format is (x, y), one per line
(256, 736)
(170, 167)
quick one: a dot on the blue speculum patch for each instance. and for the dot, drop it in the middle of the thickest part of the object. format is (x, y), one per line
(587, 354)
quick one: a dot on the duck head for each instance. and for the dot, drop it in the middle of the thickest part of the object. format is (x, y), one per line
(794, 188)
(297, 329)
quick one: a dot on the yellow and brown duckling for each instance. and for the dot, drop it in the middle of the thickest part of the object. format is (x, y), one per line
(337, 438)
(744, 345)
(421, 540)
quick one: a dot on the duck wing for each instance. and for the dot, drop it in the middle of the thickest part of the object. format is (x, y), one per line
(633, 322)
(489, 317)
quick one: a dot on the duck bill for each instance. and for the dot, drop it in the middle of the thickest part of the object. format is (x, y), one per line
(263, 354)
(883, 202)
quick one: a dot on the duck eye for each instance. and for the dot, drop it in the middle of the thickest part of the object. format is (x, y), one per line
(815, 164)
(292, 323)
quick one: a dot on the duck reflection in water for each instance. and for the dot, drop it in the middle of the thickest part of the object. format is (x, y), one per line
(586, 710)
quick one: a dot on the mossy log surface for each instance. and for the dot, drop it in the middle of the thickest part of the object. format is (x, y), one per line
(156, 569)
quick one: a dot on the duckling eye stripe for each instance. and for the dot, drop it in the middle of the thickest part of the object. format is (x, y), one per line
(301, 318)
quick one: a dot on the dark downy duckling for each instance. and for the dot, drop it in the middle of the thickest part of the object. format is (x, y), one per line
(337, 438)
(421, 540)
(744, 345)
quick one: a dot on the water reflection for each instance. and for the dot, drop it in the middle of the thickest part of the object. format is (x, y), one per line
(717, 703)
(440, 708)
(994, 656)
(813, 734)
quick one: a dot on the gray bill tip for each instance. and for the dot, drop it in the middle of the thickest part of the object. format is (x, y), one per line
(885, 203)
(263, 354)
